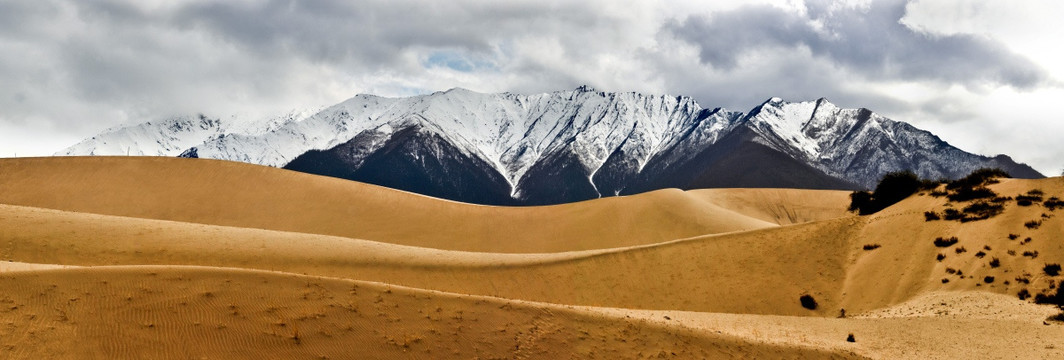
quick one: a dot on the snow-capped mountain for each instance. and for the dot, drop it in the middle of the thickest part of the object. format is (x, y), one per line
(563, 146)
(175, 135)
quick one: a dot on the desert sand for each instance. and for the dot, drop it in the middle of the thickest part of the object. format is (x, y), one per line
(116, 257)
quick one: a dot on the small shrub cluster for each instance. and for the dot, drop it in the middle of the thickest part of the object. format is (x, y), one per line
(931, 216)
(808, 302)
(980, 177)
(952, 214)
(1053, 203)
(1023, 294)
(980, 254)
(892, 188)
(871, 246)
(981, 210)
(940, 257)
(1031, 254)
(988, 279)
(1051, 269)
(967, 194)
(1013, 236)
(1033, 224)
(1053, 298)
(960, 250)
(946, 242)
(994, 262)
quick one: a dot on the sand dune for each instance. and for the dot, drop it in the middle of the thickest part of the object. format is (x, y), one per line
(704, 273)
(242, 195)
(124, 312)
(709, 273)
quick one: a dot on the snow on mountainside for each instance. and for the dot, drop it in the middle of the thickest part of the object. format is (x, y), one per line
(510, 131)
(172, 136)
(561, 146)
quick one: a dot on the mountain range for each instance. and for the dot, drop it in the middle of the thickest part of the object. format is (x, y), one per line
(564, 146)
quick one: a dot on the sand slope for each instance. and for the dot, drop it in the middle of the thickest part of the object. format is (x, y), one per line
(243, 195)
(125, 312)
(705, 273)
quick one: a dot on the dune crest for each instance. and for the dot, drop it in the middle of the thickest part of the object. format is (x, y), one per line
(719, 273)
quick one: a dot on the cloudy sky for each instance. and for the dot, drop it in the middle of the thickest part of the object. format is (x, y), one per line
(984, 75)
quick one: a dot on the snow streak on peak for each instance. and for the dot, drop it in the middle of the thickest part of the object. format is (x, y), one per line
(608, 136)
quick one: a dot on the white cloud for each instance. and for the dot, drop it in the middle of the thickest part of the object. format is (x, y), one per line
(73, 68)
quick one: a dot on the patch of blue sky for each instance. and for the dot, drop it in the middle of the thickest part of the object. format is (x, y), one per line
(456, 61)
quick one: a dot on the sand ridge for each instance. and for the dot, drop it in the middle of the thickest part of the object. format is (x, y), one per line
(243, 195)
(108, 311)
(640, 290)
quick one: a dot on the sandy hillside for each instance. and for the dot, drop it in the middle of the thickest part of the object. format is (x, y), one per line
(181, 312)
(705, 273)
(243, 195)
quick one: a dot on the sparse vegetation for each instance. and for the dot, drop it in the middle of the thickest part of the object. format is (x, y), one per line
(808, 302)
(1033, 224)
(980, 177)
(960, 250)
(980, 254)
(988, 279)
(994, 262)
(1054, 298)
(849, 338)
(1013, 236)
(940, 257)
(1031, 254)
(946, 242)
(1029, 198)
(892, 188)
(1051, 269)
(1053, 203)
(953, 214)
(981, 210)
(871, 246)
(1023, 294)
(931, 216)
(968, 194)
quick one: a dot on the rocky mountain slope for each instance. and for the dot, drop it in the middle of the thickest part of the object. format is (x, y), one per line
(510, 149)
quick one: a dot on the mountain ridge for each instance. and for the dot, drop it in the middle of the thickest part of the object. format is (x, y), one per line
(578, 144)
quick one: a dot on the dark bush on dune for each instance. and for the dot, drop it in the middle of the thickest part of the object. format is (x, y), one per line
(894, 187)
(966, 194)
(980, 177)
(1052, 269)
(1055, 298)
(808, 302)
(1053, 203)
(946, 242)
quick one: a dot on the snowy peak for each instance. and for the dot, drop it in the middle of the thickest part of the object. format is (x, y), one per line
(559, 146)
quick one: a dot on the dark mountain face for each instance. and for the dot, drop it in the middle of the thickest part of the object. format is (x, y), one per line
(735, 161)
(413, 159)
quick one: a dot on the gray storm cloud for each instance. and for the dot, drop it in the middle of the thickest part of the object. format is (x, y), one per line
(69, 69)
(871, 41)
